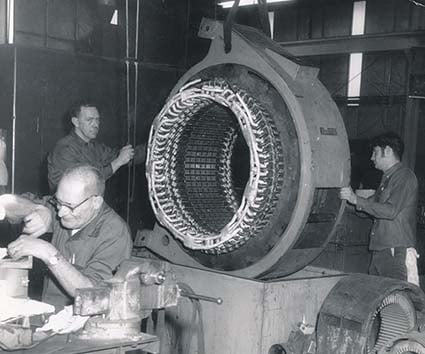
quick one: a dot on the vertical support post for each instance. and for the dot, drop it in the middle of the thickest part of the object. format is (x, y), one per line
(410, 124)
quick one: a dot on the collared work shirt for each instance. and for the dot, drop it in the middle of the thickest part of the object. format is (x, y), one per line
(96, 251)
(394, 209)
(71, 150)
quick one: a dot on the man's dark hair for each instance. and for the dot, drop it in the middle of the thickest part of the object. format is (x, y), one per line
(390, 139)
(76, 107)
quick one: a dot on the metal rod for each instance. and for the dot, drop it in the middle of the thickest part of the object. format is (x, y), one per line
(127, 49)
(217, 300)
(136, 45)
(127, 65)
(15, 54)
(136, 82)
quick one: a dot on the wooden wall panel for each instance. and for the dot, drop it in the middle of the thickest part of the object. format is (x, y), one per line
(3, 23)
(337, 18)
(402, 12)
(380, 16)
(30, 16)
(47, 85)
(384, 74)
(285, 25)
(6, 98)
(333, 72)
(72, 25)
(163, 32)
(317, 20)
(386, 16)
(304, 19)
(304, 23)
(417, 18)
(61, 19)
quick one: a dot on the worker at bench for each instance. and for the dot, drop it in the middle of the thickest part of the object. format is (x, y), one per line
(89, 240)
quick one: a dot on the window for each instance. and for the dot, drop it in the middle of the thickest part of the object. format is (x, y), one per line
(356, 59)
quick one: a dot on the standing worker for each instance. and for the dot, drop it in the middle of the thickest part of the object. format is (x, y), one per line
(80, 147)
(393, 207)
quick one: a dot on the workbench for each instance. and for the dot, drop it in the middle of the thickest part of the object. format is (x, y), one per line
(70, 344)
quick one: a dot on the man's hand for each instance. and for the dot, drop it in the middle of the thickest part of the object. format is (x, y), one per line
(346, 193)
(125, 155)
(38, 222)
(30, 246)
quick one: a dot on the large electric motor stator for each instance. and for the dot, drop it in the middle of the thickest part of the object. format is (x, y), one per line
(246, 159)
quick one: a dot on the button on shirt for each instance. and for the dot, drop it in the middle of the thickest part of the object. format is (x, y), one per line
(394, 208)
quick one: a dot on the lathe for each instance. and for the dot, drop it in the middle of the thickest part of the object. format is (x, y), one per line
(244, 166)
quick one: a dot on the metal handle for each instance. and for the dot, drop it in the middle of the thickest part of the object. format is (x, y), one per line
(217, 300)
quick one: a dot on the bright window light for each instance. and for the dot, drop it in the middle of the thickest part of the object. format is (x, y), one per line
(227, 4)
(271, 21)
(356, 59)
(355, 74)
(114, 19)
(359, 12)
(10, 21)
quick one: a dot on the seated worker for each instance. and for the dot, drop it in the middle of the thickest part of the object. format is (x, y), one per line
(80, 147)
(89, 240)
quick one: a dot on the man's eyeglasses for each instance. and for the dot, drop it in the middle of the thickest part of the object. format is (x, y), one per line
(58, 204)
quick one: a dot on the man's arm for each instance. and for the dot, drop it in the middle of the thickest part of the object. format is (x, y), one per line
(403, 194)
(37, 217)
(125, 155)
(68, 276)
(116, 246)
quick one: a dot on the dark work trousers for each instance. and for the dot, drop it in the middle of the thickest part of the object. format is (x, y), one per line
(384, 264)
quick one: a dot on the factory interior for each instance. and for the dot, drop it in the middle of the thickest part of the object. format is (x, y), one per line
(251, 196)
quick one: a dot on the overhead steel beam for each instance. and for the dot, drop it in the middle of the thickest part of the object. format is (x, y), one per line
(356, 44)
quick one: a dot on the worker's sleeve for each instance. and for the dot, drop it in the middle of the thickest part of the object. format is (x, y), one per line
(402, 188)
(109, 254)
(140, 153)
(106, 156)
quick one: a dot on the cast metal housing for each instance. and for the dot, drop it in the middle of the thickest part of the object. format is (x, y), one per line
(246, 159)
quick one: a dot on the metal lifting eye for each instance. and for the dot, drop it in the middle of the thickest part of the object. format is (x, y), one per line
(191, 181)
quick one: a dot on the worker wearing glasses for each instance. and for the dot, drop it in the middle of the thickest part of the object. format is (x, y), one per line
(89, 239)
